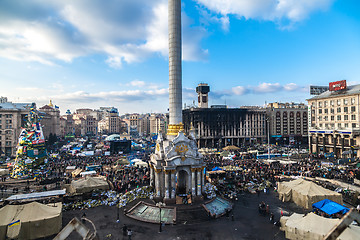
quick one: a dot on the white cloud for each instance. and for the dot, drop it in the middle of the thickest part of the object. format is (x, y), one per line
(110, 96)
(239, 90)
(124, 31)
(272, 10)
(260, 89)
(137, 83)
(141, 84)
(291, 86)
(267, 87)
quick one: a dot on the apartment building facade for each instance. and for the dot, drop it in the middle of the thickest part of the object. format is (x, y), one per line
(13, 117)
(334, 122)
(288, 123)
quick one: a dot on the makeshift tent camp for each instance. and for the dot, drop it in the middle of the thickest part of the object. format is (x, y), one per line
(231, 148)
(315, 227)
(30, 221)
(88, 184)
(330, 207)
(305, 193)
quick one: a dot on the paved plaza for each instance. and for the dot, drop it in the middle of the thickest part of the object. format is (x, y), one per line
(246, 222)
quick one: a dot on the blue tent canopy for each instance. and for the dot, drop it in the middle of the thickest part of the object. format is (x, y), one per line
(216, 169)
(330, 207)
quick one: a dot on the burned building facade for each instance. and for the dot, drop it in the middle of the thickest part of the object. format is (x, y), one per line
(219, 127)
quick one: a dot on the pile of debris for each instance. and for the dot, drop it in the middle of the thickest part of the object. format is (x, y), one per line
(110, 198)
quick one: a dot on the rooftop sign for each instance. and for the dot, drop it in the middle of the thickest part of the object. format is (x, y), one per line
(338, 85)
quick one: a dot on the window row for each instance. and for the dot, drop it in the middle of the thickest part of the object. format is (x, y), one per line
(339, 125)
(345, 101)
(332, 110)
(332, 118)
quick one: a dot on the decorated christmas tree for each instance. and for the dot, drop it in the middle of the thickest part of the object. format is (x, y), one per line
(31, 150)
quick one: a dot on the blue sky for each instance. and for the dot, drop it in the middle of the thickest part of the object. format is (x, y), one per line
(92, 53)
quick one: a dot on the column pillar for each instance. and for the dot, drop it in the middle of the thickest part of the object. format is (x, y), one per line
(193, 187)
(199, 182)
(173, 184)
(352, 146)
(342, 144)
(152, 176)
(167, 173)
(324, 142)
(157, 182)
(317, 144)
(202, 180)
(310, 143)
(334, 144)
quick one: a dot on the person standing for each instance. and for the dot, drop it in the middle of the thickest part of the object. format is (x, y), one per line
(124, 229)
(272, 218)
(129, 233)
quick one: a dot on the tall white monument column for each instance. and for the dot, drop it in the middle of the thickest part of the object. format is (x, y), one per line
(176, 151)
(175, 69)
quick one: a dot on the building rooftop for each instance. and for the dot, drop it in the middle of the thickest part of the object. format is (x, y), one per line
(15, 106)
(286, 105)
(47, 107)
(350, 90)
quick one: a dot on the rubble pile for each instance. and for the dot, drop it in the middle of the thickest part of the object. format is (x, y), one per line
(209, 190)
(110, 198)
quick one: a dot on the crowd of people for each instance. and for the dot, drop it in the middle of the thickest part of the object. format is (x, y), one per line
(247, 174)
(257, 175)
(54, 174)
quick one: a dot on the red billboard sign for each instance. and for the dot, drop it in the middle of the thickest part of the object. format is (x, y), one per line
(338, 85)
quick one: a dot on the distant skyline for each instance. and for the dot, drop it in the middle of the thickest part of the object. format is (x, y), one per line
(93, 53)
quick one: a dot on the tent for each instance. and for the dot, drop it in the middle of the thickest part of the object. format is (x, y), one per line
(88, 184)
(88, 173)
(224, 153)
(284, 219)
(4, 172)
(231, 148)
(330, 207)
(315, 227)
(123, 161)
(30, 221)
(352, 232)
(140, 164)
(216, 169)
(135, 160)
(305, 193)
(76, 172)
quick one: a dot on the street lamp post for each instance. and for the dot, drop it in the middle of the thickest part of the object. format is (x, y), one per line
(268, 136)
(160, 205)
(118, 211)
